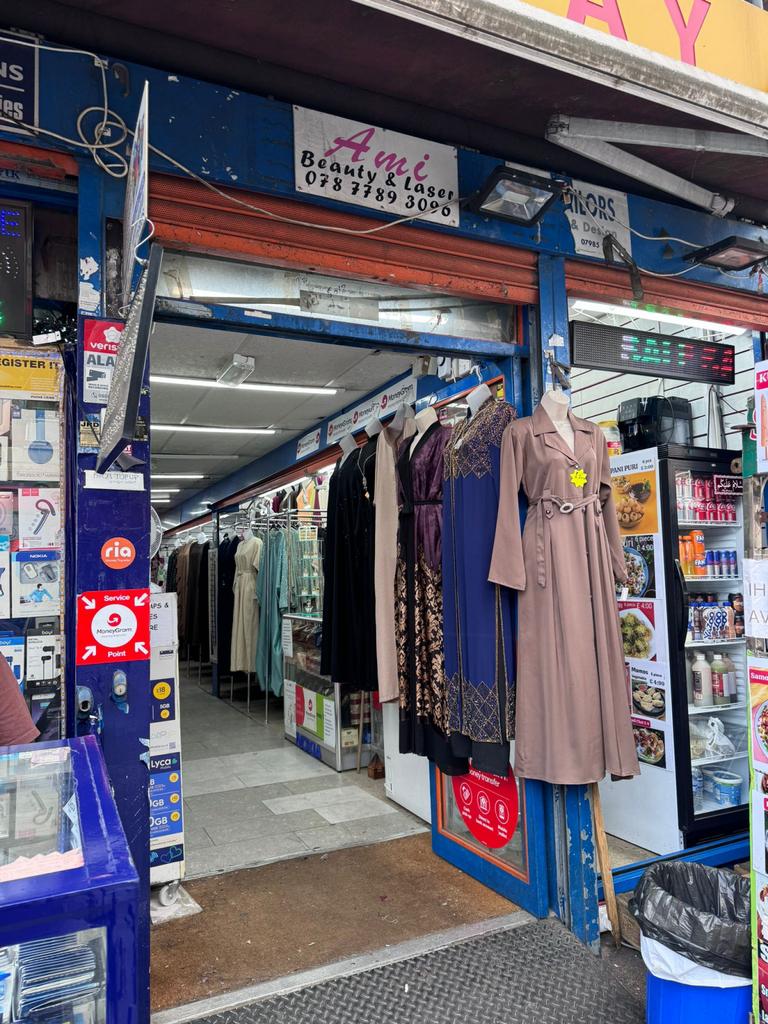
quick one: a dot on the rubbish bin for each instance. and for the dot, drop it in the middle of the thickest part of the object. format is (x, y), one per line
(696, 943)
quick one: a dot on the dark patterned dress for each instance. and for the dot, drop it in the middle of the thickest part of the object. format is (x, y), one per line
(424, 726)
(479, 616)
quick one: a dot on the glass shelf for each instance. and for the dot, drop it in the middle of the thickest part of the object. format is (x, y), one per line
(709, 805)
(684, 524)
(695, 644)
(714, 708)
(699, 762)
(717, 580)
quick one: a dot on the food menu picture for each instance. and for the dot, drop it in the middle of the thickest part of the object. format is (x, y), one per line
(642, 608)
(32, 517)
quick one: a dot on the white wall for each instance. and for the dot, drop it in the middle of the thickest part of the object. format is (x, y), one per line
(597, 394)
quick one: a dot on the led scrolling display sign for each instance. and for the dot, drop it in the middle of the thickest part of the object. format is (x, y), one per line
(601, 347)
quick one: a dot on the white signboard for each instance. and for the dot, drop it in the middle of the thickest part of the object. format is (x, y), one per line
(135, 205)
(594, 212)
(163, 621)
(113, 481)
(355, 162)
(308, 444)
(756, 597)
(377, 407)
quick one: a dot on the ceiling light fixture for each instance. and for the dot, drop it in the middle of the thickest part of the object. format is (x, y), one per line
(160, 501)
(179, 476)
(515, 195)
(732, 253)
(173, 427)
(203, 382)
(166, 490)
(238, 370)
(641, 313)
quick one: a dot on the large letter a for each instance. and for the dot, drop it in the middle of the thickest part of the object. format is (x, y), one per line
(607, 11)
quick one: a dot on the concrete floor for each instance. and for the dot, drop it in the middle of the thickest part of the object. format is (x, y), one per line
(251, 797)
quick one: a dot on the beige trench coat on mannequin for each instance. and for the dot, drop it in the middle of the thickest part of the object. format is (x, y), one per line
(573, 705)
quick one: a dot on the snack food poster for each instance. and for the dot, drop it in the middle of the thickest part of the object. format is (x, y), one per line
(641, 554)
(651, 713)
(634, 479)
(758, 703)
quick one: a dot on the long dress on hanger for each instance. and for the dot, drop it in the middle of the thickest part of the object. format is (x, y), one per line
(479, 616)
(226, 600)
(349, 617)
(385, 553)
(182, 590)
(197, 600)
(573, 705)
(245, 615)
(272, 595)
(424, 723)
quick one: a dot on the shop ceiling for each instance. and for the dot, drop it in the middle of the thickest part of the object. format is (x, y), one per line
(393, 71)
(201, 352)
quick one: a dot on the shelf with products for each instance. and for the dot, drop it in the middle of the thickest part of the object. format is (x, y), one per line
(700, 762)
(710, 806)
(692, 644)
(717, 581)
(711, 709)
(692, 524)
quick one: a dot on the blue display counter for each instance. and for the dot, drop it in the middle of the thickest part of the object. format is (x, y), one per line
(68, 890)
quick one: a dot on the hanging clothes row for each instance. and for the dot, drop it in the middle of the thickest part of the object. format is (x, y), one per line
(187, 577)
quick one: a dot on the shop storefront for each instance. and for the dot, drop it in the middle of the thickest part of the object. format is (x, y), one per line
(280, 243)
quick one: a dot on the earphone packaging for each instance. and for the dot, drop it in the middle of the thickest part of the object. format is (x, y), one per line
(12, 649)
(35, 445)
(43, 658)
(35, 583)
(40, 523)
(5, 576)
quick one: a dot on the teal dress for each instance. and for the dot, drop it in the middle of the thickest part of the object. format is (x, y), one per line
(272, 595)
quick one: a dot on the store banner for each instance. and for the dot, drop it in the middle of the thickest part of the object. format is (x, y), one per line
(386, 402)
(761, 415)
(593, 211)
(308, 444)
(756, 597)
(355, 162)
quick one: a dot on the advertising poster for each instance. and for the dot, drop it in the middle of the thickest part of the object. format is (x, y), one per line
(760, 890)
(758, 703)
(638, 629)
(636, 492)
(289, 708)
(40, 524)
(761, 415)
(35, 583)
(35, 445)
(640, 558)
(649, 684)
(166, 820)
(101, 343)
(756, 597)
(12, 649)
(5, 576)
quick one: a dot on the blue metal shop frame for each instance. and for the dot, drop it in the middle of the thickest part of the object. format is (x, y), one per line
(230, 138)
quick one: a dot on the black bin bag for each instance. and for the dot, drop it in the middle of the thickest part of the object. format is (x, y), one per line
(698, 911)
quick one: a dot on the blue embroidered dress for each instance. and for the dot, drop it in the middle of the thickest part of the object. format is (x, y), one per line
(478, 615)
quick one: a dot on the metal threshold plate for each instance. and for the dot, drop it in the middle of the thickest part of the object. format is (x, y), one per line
(537, 973)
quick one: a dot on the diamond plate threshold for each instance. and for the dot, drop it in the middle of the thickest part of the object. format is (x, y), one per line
(520, 972)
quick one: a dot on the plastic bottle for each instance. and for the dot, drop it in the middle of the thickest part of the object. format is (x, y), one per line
(701, 673)
(699, 553)
(731, 680)
(719, 681)
(697, 781)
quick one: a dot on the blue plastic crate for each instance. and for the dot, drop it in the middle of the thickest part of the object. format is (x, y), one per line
(668, 1002)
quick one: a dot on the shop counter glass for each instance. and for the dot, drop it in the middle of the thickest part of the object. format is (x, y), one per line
(68, 890)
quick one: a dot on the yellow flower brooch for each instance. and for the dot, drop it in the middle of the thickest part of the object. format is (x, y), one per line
(578, 478)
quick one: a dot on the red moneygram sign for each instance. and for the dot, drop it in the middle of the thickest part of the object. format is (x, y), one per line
(489, 806)
(112, 626)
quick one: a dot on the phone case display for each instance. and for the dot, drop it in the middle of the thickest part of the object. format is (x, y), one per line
(32, 518)
(683, 627)
(320, 717)
(68, 890)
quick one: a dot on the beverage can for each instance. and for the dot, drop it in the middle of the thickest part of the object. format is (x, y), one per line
(710, 563)
(710, 510)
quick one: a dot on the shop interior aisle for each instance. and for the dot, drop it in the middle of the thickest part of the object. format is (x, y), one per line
(251, 797)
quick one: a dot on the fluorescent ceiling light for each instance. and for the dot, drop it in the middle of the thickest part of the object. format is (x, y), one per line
(166, 490)
(183, 428)
(178, 476)
(160, 501)
(639, 313)
(204, 382)
(238, 370)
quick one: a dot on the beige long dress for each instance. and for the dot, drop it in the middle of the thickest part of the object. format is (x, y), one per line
(385, 554)
(245, 617)
(573, 706)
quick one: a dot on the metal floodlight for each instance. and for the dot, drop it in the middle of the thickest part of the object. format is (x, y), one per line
(515, 195)
(732, 253)
(238, 370)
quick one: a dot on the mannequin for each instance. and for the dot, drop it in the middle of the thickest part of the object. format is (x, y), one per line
(477, 398)
(373, 428)
(424, 421)
(347, 445)
(557, 405)
(398, 420)
(201, 538)
(247, 533)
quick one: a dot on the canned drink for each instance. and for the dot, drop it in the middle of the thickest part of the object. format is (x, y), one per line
(709, 561)
(710, 507)
(734, 563)
(717, 560)
(731, 506)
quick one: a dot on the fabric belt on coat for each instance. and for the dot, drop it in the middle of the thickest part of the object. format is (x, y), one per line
(409, 508)
(549, 502)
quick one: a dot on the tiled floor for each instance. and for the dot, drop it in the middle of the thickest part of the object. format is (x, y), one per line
(251, 797)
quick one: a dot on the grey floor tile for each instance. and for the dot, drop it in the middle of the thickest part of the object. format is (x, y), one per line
(326, 838)
(203, 768)
(280, 773)
(222, 808)
(246, 853)
(212, 784)
(338, 780)
(258, 828)
(193, 751)
(196, 839)
(377, 830)
(316, 799)
(354, 810)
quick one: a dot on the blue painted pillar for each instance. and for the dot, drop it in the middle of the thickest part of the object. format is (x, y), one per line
(570, 845)
(96, 517)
